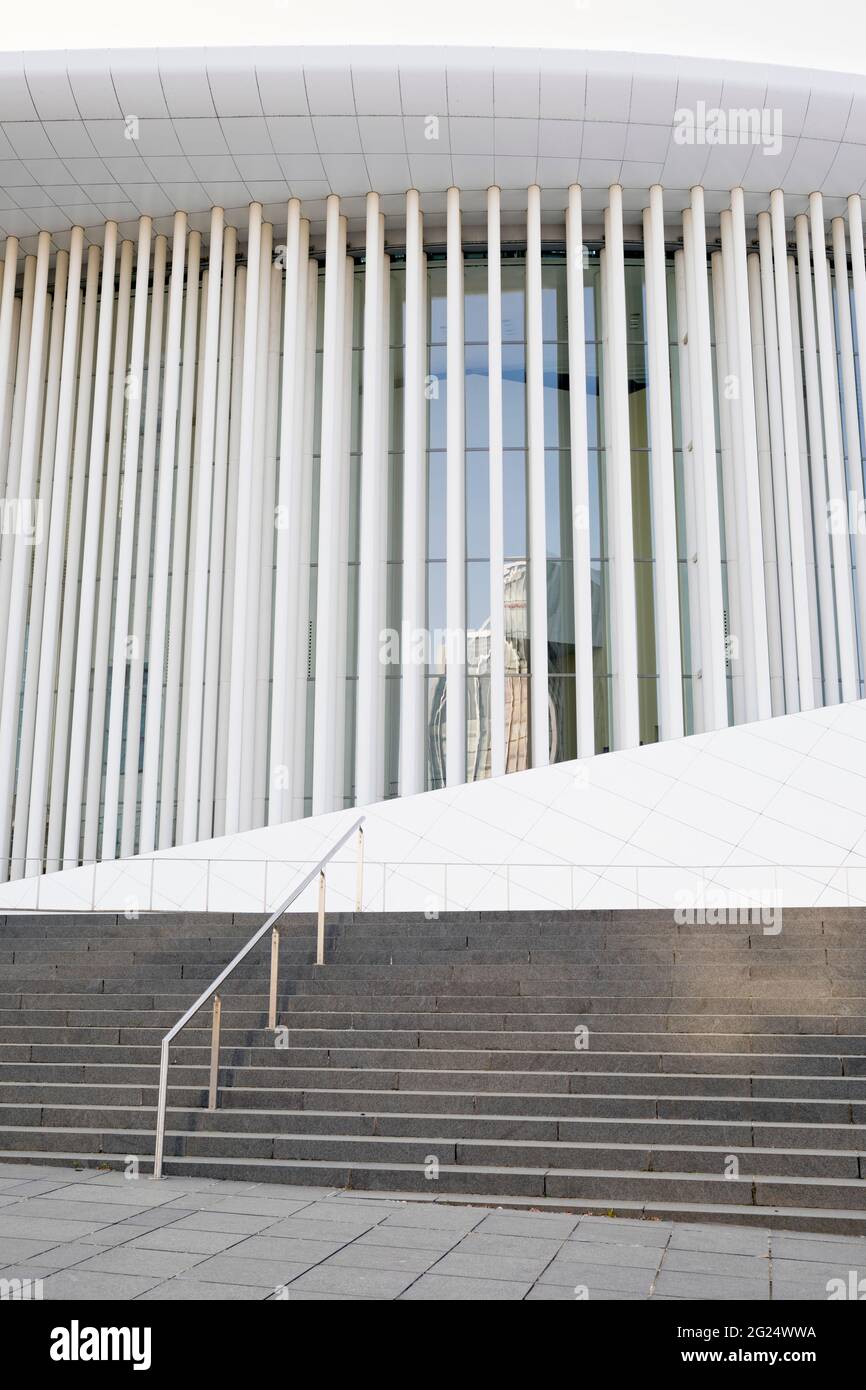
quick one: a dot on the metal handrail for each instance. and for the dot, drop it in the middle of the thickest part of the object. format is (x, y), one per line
(211, 991)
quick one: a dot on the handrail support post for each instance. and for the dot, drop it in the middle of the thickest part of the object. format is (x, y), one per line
(162, 1096)
(359, 878)
(275, 970)
(320, 929)
(212, 1098)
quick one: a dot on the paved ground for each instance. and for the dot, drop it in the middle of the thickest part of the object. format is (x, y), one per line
(99, 1235)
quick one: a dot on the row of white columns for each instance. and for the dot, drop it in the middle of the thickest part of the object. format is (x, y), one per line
(164, 415)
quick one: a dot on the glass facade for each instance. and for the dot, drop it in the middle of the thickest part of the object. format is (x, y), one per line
(559, 511)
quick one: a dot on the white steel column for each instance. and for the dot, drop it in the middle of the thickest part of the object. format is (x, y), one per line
(413, 692)
(162, 545)
(796, 519)
(837, 516)
(236, 672)
(536, 490)
(19, 388)
(90, 558)
(180, 526)
(369, 725)
(19, 551)
(777, 452)
(27, 753)
(623, 618)
(7, 324)
(734, 625)
(332, 485)
(231, 535)
(713, 653)
(765, 473)
(805, 485)
(858, 275)
(7, 387)
(733, 388)
(195, 482)
(293, 539)
(855, 512)
(137, 635)
(49, 637)
(667, 604)
(817, 470)
(302, 729)
(286, 517)
(256, 477)
(455, 503)
(262, 781)
(343, 734)
(215, 597)
(66, 658)
(497, 486)
(748, 489)
(686, 372)
(126, 542)
(200, 543)
(102, 635)
(16, 439)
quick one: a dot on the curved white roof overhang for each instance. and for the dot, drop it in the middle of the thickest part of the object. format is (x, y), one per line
(91, 136)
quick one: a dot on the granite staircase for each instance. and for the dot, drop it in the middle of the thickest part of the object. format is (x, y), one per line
(610, 1061)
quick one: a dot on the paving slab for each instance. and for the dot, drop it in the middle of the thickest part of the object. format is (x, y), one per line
(449, 1289)
(549, 1226)
(78, 1284)
(715, 1262)
(411, 1238)
(297, 1251)
(716, 1240)
(585, 1275)
(133, 1260)
(712, 1286)
(229, 1269)
(364, 1283)
(195, 1242)
(471, 1266)
(188, 1290)
(394, 1257)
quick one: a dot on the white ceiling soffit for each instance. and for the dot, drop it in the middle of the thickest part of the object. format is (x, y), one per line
(91, 136)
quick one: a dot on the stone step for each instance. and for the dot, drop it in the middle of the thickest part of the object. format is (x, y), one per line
(739, 1136)
(593, 1039)
(621, 1157)
(803, 1086)
(836, 1062)
(771, 1110)
(714, 1012)
(840, 1199)
(155, 1022)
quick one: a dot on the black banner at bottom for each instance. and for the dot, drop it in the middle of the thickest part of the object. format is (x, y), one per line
(58, 1340)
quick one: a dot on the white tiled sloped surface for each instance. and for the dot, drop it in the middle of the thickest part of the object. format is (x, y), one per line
(763, 812)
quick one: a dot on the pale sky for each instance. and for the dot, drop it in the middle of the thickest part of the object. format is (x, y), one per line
(826, 34)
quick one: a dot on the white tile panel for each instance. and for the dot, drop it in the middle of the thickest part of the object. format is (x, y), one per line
(183, 74)
(377, 91)
(329, 91)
